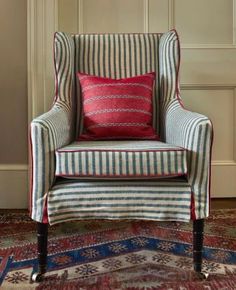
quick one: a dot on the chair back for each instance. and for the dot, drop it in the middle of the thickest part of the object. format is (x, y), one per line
(117, 56)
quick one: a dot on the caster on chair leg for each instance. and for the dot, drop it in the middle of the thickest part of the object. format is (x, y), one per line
(37, 277)
(202, 275)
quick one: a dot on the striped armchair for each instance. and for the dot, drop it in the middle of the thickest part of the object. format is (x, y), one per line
(95, 190)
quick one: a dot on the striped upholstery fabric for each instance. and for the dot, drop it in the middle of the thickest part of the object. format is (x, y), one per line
(48, 132)
(117, 56)
(123, 159)
(194, 132)
(150, 200)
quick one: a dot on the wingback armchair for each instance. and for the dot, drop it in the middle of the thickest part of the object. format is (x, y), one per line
(165, 180)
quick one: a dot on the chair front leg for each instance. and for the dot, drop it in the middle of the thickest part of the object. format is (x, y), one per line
(198, 229)
(198, 236)
(42, 237)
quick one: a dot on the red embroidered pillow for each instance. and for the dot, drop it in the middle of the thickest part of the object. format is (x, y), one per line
(117, 109)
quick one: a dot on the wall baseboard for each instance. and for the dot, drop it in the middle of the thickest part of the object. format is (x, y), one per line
(13, 186)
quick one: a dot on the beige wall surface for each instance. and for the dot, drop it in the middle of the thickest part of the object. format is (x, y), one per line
(208, 68)
(13, 108)
(13, 81)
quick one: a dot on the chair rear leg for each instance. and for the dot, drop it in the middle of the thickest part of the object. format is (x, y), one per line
(42, 236)
(198, 236)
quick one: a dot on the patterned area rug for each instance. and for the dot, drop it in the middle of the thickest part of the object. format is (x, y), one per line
(112, 255)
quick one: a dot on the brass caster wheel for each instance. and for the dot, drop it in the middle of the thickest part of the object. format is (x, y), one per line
(37, 277)
(203, 275)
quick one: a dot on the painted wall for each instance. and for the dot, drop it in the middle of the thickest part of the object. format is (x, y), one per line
(208, 69)
(208, 72)
(13, 108)
(13, 82)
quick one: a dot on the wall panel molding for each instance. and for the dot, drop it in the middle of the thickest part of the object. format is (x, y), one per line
(234, 139)
(223, 163)
(146, 16)
(13, 194)
(171, 14)
(13, 167)
(227, 187)
(234, 22)
(199, 86)
(42, 22)
(80, 18)
(207, 46)
(224, 87)
(172, 24)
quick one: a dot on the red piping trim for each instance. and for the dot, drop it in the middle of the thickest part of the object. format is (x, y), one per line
(119, 33)
(55, 70)
(30, 171)
(177, 89)
(114, 138)
(193, 215)
(45, 211)
(209, 186)
(151, 75)
(108, 150)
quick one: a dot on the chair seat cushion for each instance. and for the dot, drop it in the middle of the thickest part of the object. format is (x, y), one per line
(121, 159)
(158, 199)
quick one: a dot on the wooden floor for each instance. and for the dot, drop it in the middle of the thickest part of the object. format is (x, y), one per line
(216, 203)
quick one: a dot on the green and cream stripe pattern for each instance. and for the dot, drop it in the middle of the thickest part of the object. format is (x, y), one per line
(118, 56)
(194, 132)
(150, 200)
(50, 131)
(123, 159)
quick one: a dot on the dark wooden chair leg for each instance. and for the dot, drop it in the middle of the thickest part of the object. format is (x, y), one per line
(198, 236)
(198, 228)
(42, 237)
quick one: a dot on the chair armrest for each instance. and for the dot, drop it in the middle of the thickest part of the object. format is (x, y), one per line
(194, 132)
(48, 132)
